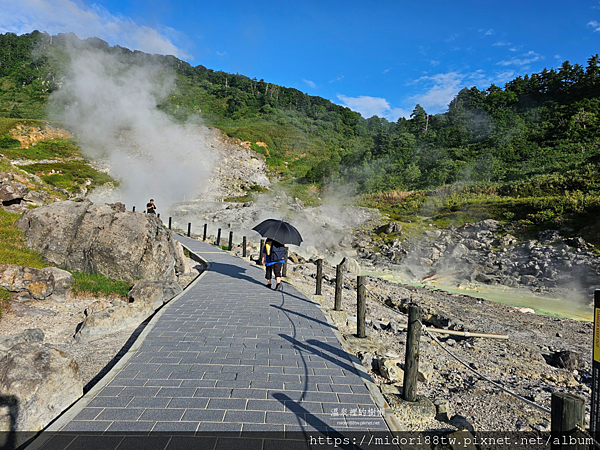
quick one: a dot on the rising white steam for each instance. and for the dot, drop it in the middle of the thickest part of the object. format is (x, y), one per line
(110, 101)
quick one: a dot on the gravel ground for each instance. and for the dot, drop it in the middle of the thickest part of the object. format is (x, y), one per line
(522, 363)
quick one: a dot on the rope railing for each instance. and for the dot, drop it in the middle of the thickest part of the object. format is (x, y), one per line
(529, 402)
(561, 406)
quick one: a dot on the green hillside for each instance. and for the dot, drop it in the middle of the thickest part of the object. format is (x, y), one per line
(526, 152)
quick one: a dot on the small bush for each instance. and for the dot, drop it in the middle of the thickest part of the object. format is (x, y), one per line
(7, 142)
(99, 286)
(12, 244)
(71, 175)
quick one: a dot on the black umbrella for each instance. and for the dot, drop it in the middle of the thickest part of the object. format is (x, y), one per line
(279, 231)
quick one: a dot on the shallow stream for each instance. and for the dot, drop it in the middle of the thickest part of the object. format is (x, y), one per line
(520, 298)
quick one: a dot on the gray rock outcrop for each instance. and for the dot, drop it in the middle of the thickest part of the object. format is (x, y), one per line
(29, 335)
(112, 319)
(350, 265)
(38, 282)
(393, 227)
(119, 244)
(63, 280)
(11, 190)
(152, 293)
(39, 382)
(106, 317)
(486, 252)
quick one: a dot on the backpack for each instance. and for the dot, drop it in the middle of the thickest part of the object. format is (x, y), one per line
(277, 252)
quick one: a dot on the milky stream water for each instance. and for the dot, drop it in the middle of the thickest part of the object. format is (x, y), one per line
(558, 307)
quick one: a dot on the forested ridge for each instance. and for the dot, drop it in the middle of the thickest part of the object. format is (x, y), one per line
(526, 151)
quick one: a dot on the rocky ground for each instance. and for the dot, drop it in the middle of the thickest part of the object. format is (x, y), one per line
(487, 253)
(541, 355)
(58, 318)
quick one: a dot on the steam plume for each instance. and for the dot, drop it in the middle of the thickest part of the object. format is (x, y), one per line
(110, 101)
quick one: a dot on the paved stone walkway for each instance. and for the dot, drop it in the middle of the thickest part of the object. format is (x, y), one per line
(233, 356)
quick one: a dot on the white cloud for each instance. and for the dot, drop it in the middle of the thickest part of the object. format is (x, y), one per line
(373, 106)
(441, 90)
(433, 62)
(387, 70)
(490, 32)
(595, 25)
(451, 38)
(310, 83)
(500, 44)
(341, 77)
(527, 58)
(63, 16)
(221, 53)
(557, 57)
(515, 49)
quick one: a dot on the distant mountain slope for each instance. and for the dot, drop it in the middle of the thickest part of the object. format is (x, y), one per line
(536, 138)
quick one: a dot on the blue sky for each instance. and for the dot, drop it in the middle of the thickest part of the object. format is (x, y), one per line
(375, 57)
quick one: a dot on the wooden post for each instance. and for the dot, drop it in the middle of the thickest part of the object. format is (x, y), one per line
(319, 276)
(230, 240)
(244, 247)
(133, 209)
(219, 237)
(170, 222)
(285, 260)
(568, 412)
(338, 287)
(204, 235)
(260, 252)
(411, 362)
(189, 229)
(158, 215)
(361, 307)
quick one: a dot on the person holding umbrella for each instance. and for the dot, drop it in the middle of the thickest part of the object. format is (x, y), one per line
(278, 233)
(273, 258)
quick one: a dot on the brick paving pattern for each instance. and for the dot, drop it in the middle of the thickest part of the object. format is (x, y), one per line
(233, 356)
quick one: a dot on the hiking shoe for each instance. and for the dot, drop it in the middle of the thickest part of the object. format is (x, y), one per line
(278, 287)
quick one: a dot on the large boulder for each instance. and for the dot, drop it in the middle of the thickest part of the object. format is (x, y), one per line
(393, 227)
(63, 280)
(11, 190)
(38, 382)
(111, 320)
(350, 265)
(29, 335)
(37, 282)
(106, 317)
(567, 359)
(153, 293)
(120, 244)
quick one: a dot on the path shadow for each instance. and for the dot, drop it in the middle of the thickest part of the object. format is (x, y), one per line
(311, 424)
(238, 272)
(314, 349)
(235, 272)
(9, 404)
(325, 324)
